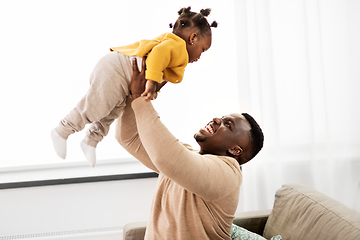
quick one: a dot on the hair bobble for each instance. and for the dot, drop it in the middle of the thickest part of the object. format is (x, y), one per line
(214, 24)
(205, 12)
(184, 10)
(194, 20)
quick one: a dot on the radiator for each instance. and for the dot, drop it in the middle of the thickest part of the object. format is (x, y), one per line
(107, 233)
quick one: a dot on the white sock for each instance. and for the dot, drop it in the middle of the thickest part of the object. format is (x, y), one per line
(89, 152)
(59, 144)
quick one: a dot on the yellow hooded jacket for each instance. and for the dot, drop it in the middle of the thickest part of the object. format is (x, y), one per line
(167, 57)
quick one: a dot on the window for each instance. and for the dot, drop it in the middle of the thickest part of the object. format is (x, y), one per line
(49, 48)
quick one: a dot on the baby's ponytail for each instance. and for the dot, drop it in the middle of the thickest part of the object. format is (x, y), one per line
(187, 18)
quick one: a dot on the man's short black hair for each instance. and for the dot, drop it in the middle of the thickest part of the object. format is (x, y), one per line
(256, 136)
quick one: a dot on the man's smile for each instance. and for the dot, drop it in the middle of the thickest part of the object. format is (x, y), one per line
(208, 129)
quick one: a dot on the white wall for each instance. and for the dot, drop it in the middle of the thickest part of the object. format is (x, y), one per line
(68, 209)
(90, 211)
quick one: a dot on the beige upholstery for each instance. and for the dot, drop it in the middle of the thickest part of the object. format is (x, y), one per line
(254, 221)
(299, 213)
(134, 231)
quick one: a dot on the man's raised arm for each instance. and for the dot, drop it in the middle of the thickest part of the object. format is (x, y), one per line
(126, 129)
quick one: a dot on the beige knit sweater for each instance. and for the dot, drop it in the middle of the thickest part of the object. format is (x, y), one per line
(196, 195)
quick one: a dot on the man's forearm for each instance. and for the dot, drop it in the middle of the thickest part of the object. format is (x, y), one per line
(128, 137)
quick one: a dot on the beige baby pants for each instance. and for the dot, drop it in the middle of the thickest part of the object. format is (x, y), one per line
(102, 104)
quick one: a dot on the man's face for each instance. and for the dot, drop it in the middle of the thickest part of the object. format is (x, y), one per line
(222, 134)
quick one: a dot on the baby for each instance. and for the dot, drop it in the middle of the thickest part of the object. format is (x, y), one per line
(166, 59)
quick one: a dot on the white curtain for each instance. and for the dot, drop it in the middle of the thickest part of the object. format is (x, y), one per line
(299, 75)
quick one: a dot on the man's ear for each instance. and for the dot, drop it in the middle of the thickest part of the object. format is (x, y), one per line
(235, 151)
(192, 38)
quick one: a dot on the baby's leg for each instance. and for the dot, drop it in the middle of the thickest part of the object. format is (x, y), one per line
(73, 122)
(116, 90)
(109, 85)
(97, 131)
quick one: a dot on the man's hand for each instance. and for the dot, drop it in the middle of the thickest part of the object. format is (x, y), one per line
(138, 81)
(160, 85)
(140, 86)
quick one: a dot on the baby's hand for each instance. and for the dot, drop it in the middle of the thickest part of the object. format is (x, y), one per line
(150, 92)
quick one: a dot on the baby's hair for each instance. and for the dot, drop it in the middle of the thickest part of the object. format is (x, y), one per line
(193, 19)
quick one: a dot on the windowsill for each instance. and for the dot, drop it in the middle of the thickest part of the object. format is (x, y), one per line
(69, 173)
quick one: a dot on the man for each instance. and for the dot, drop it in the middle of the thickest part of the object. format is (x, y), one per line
(197, 191)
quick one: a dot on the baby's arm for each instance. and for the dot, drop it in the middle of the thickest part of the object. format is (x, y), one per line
(156, 62)
(150, 92)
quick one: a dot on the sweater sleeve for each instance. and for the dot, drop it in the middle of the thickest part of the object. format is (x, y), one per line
(208, 176)
(157, 61)
(128, 137)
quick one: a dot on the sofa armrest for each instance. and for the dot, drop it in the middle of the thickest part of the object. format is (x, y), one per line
(253, 221)
(134, 231)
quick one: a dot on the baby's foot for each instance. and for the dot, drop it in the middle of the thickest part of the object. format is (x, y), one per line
(59, 144)
(89, 152)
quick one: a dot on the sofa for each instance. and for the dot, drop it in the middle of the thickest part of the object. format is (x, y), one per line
(298, 213)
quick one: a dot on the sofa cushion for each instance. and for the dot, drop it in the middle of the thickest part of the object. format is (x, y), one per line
(303, 213)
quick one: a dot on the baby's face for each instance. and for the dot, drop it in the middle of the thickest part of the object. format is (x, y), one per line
(200, 45)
